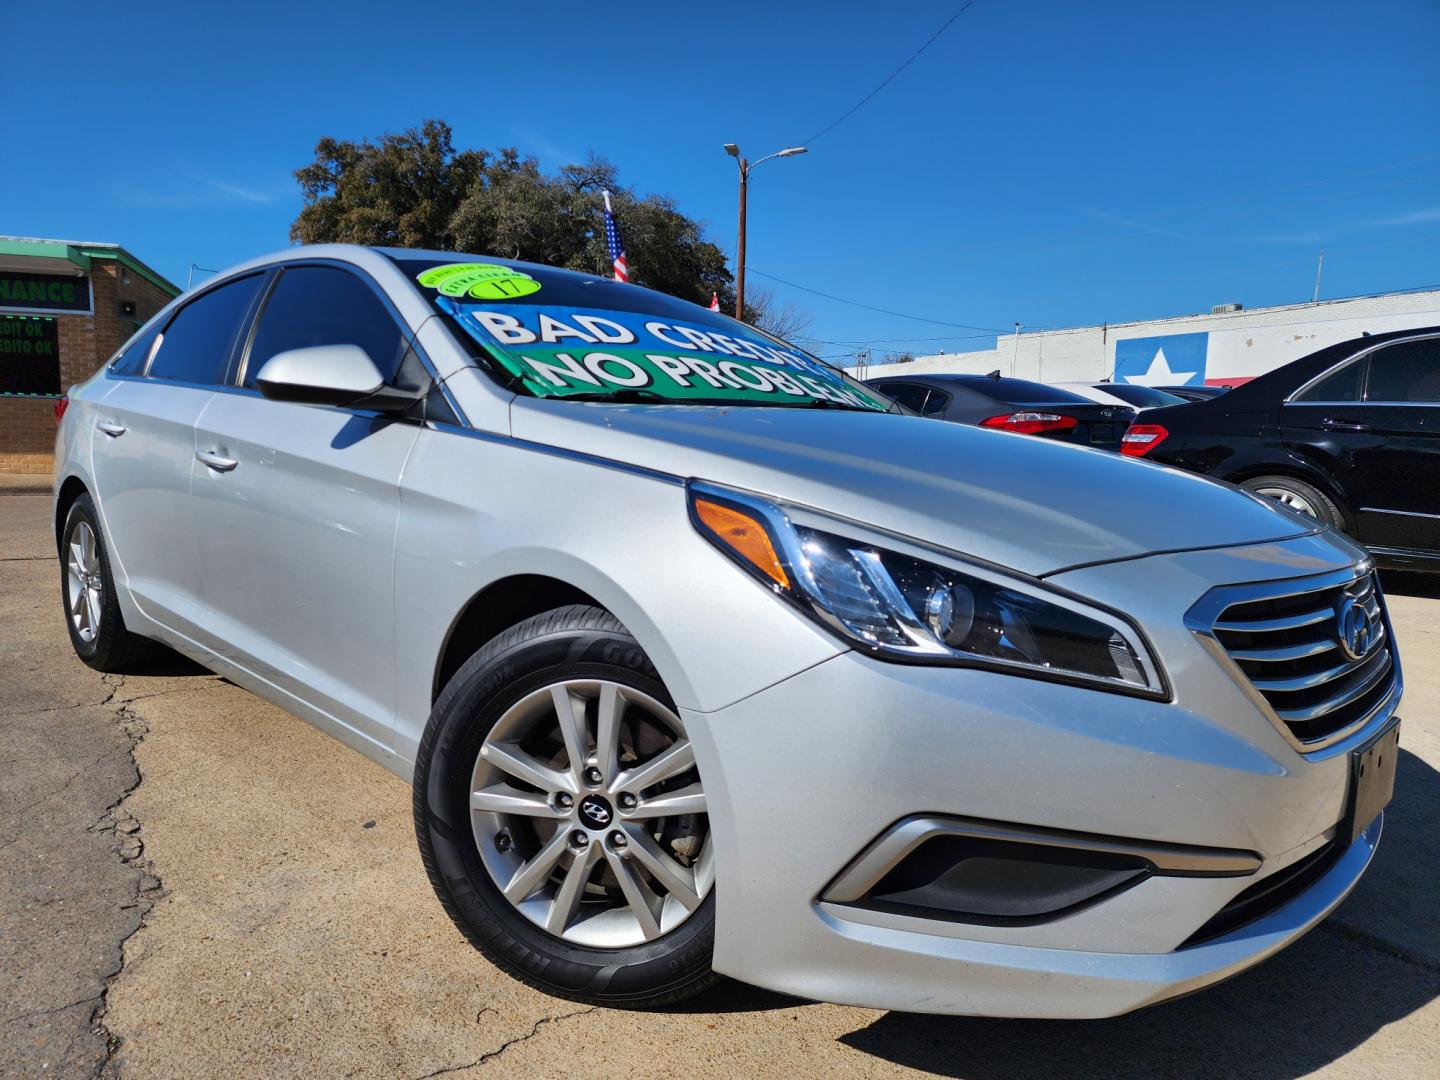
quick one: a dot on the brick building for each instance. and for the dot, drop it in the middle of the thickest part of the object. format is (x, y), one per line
(65, 307)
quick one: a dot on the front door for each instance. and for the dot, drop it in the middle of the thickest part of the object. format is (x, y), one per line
(296, 509)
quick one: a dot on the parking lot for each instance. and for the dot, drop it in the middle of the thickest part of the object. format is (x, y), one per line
(197, 884)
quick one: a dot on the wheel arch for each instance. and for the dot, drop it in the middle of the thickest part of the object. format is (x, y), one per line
(494, 609)
(1305, 473)
(70, 490)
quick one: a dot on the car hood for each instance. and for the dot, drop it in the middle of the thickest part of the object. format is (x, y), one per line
(1030, 504)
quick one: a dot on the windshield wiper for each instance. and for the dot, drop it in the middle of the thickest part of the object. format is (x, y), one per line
(622, 397)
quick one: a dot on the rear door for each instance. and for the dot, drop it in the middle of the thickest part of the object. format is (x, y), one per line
(1374, 426)
(298, 521)
(144, 444)
(1399, 472)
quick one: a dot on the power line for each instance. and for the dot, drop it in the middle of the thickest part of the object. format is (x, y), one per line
(888, 79)
(870, 307)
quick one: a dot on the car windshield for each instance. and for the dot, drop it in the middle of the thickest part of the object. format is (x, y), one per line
(1142, 397)
(559, 334)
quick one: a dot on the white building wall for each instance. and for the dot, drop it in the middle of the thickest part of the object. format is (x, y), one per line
(1222, 349)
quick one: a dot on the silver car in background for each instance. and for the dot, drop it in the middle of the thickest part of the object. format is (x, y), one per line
(702, 660)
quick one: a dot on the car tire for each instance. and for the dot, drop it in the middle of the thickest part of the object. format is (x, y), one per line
(87, 591)
(1298, 496)
(463, 852)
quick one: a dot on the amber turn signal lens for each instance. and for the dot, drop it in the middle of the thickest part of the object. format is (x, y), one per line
(743, 535)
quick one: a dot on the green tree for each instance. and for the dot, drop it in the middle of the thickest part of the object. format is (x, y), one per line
(416, 190)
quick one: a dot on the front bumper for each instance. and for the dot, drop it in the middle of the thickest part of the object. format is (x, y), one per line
(804, 776)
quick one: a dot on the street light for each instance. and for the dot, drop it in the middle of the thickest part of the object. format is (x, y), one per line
(745, 166)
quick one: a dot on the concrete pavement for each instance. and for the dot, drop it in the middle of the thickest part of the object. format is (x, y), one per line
(263, 886)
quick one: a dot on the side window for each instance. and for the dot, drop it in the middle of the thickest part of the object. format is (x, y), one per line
(131, 360)
(324, 305)
(196, 345)
(1406, 371)
(1342, 385)
(936, 403)
(908, 394)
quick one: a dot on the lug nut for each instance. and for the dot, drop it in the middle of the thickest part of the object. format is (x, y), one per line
(618, 839)
(627, 800)
(564, 800)
(593, 775)
(578, 839)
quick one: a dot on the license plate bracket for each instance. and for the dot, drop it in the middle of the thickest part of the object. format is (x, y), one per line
(1372, 780)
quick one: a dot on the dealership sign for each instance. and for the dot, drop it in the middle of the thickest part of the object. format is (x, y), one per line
(1170, 360)
(20, 291)
(29, 356)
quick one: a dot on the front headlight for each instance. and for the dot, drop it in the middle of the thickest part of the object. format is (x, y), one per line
(899, 606)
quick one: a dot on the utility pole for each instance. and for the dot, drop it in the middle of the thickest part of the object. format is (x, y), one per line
(745, 166)
(1015, 355)
(1318, 267)
(740, 247)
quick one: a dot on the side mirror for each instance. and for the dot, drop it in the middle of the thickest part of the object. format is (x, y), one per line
(320, 375)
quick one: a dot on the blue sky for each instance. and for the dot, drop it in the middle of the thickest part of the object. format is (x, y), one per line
(1051, 163)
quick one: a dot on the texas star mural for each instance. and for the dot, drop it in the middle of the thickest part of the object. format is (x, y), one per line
(1170, 360)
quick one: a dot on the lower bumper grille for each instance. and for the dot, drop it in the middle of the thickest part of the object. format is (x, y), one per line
(1269, 893)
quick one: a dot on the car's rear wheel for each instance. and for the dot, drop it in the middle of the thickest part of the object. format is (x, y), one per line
(562, 819)
(1298, 496)
(87, 587)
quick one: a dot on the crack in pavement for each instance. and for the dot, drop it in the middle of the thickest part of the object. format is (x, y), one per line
(129, 848)
(491, 1055)
(204, 683)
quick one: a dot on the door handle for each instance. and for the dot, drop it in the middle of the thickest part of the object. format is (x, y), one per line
(215, 461)
(113, 430)
(1330, 424)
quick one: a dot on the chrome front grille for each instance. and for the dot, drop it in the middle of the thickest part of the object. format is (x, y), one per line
(1286, 637)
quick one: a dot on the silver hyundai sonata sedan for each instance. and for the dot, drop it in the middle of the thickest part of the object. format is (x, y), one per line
(703, 658)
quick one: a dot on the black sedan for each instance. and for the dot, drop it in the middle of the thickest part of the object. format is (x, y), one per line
(1349, 435)
(1019, 405)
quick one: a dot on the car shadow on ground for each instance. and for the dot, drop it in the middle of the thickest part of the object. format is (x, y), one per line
(1376, 960)
(167, 664)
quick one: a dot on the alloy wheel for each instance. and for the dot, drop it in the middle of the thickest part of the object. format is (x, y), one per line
(1286, 497)
(589, 815)
(83, 582)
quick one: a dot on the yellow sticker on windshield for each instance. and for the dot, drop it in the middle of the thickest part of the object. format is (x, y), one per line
(483, 281)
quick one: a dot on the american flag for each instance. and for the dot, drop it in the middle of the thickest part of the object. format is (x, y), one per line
(617, 249)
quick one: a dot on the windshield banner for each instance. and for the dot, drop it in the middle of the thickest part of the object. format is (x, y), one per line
(560, 351)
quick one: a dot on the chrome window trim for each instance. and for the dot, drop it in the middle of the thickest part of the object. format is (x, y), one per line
(1200, 620)
(1364, 389)
(897, 842)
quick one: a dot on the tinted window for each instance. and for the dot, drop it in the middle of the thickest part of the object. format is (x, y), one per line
(196, 345)
(1142, 397)
(935, 403)
(1025, 392)
(324, 305)
(1408, 371)
(1343, 385)
(908, 394)
(131, 360)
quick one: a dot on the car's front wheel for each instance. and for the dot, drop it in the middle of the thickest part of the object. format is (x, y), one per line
(562, 819)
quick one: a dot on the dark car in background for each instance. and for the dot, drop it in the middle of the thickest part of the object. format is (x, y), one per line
(1349, 435)
(993, 401)
(1194, 391)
